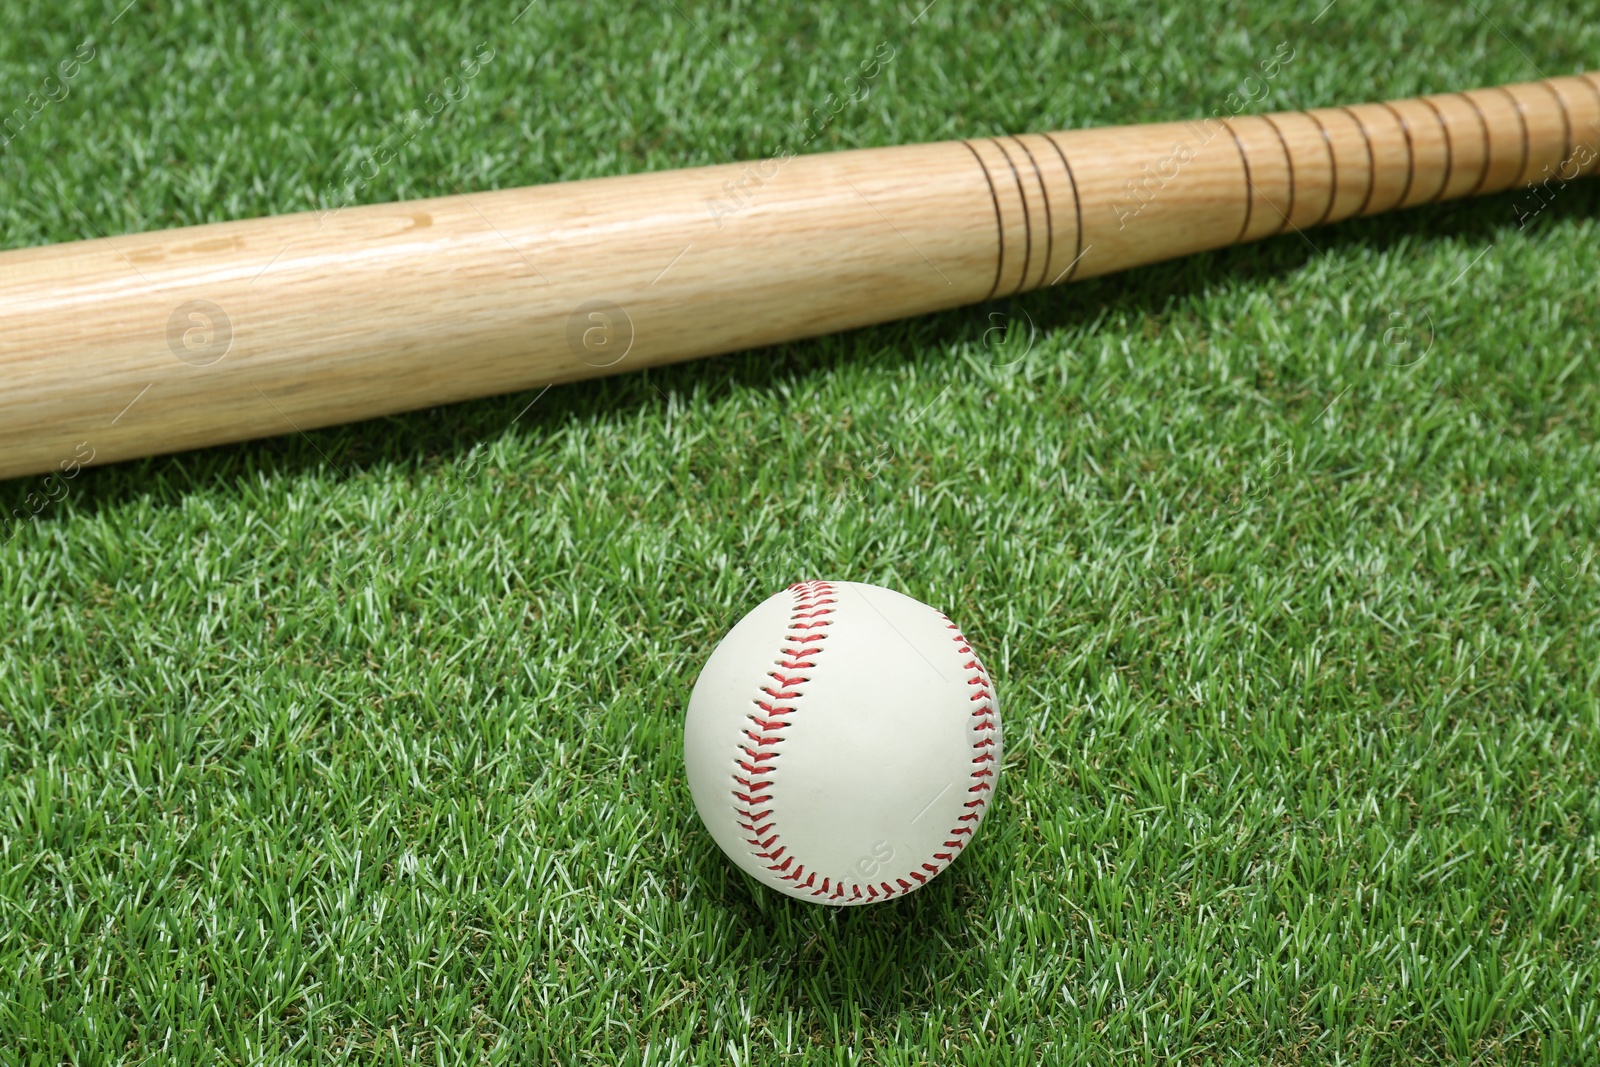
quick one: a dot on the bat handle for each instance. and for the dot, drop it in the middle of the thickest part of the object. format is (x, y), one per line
(1079, 203)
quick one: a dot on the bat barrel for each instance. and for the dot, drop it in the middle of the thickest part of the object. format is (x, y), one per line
(155, 342)
(148, 343)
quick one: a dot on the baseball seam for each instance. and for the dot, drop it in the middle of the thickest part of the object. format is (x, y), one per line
(985, 741)
(779, 698)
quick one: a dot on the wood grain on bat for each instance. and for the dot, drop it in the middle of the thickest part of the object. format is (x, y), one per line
(156, 342)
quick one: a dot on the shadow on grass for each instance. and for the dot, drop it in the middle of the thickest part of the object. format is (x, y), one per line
(876, 959)
(441, 436)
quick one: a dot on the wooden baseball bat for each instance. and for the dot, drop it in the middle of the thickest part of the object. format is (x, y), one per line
(154, 342)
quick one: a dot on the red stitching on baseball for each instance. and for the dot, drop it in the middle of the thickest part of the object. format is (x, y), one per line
(807, 633)
(808, 625)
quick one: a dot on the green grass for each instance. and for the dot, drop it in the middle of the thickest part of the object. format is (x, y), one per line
(365, 744)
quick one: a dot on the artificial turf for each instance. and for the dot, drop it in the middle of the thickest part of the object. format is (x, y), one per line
(364, 744)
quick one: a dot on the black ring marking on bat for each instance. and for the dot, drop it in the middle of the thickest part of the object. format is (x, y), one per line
(1333, 168)
(1522, 120)
(1372, 163)
(1488, 156)
(1077, 208)
(1566, 126)
(1411, 154)
(1449, 151)
(1027, 216)
(1049, 219)
(1000, 230)
(1288, 162)
(1249, 186)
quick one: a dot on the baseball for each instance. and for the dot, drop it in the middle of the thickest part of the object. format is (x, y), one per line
(843, 743)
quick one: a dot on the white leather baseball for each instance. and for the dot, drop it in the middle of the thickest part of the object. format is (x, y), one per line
(843, 743)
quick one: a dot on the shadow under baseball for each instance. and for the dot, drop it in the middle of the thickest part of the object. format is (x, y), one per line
(875, 960)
